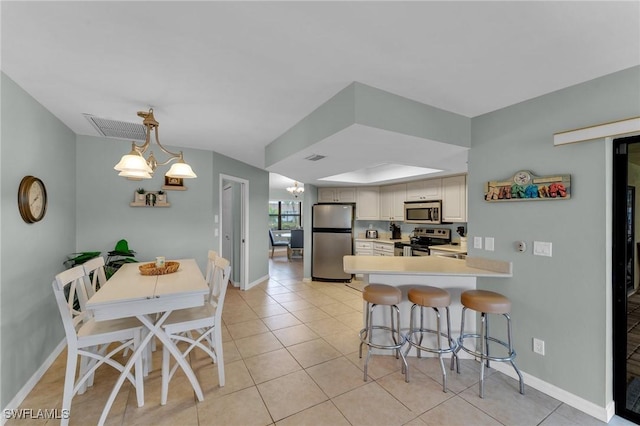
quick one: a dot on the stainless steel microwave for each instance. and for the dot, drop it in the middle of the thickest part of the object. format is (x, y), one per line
(423, 212)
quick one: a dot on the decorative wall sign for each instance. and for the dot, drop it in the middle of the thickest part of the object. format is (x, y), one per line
(524, 186)
(173, 184)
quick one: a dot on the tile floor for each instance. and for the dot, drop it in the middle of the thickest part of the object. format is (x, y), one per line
(291, 354)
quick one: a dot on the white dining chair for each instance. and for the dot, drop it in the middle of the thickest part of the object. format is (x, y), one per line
(94, 269)
(96, 278)
(90, 339)
(206, 320)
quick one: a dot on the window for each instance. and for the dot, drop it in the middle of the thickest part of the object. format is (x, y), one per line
(285, 214)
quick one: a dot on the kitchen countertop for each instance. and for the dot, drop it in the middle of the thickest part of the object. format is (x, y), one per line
(384, 240)
(450, 248)
(427, 265)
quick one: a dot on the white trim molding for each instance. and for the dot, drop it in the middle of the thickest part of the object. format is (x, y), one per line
(614, 128)
(257, 281)
(33, 381)
(604, 414)
(244, 219)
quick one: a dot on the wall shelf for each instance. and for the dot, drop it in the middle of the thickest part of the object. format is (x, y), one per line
(173, 188)
(149, 199)
(137, 204)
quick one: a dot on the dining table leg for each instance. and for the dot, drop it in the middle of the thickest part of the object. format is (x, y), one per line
(123, 376)
(155, 329)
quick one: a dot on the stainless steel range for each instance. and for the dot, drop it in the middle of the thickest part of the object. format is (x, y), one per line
(422, 239)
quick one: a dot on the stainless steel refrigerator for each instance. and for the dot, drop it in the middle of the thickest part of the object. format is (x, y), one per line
(332, 238)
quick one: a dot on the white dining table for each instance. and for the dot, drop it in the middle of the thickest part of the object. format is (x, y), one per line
(128, 293)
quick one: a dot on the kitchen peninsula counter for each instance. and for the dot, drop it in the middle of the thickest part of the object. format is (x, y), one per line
(427, 265)
(405, 272)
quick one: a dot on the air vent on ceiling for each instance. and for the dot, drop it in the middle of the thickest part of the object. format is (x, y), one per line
(117, 129)
(315, 157)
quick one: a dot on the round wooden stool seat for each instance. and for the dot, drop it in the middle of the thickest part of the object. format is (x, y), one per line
(382, 294)
(431, 297)
(486, 301)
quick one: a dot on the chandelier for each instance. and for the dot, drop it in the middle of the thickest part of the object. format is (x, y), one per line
(134, 166)
(295, 190)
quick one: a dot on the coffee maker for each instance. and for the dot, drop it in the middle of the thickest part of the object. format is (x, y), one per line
(395, 231)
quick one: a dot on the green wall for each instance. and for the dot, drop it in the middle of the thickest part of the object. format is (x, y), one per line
(563, 300)
(33, 142)
(186, 228)
(103, 214)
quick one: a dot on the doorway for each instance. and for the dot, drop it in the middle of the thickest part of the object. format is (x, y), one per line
(626, 283)
(234, 216)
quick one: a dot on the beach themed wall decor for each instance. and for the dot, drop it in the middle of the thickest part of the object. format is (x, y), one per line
(525, 186)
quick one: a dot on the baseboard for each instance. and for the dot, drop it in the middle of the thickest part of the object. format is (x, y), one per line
(256, 282)
(33, 381)
(603, 414)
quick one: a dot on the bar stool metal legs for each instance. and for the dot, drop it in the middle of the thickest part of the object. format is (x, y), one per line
(487, 302)
(383, 295)
(436, 299)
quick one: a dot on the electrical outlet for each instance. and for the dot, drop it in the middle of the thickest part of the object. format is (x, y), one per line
(538, 346)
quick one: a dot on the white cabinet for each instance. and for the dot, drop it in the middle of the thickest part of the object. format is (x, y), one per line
(374, 248)
(364, 248)
(383, 248)
(392, 199)
(454, 199)
(337, 195)
(420, 190)
(367, 200)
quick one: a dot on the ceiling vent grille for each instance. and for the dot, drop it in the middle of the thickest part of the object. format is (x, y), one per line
(315, 157)
(117, 129)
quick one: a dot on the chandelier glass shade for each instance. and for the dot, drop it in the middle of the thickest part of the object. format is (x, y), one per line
(134, 166)
(295, 190)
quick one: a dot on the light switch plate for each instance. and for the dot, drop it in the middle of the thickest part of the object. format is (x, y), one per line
(542, 248)
(488, 243)
(477, 242)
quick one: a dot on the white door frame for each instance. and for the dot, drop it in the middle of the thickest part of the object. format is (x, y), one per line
(244, 224)
(227, 231)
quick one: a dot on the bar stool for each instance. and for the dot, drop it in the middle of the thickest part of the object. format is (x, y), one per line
(436, 299)
(383, 295)
(488, 302)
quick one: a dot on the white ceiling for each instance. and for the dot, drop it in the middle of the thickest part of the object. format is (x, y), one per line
(233, 76)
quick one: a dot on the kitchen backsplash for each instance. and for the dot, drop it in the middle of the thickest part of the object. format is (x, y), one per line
(382, 226)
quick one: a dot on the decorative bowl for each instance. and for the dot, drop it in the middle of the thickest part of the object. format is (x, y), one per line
(151, 268)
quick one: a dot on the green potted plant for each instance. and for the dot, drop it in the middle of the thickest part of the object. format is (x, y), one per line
(120, 255)
(161, 196)
(140, 195)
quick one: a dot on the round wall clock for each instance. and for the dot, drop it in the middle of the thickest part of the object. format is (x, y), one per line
(522, 177)
(32, 199)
